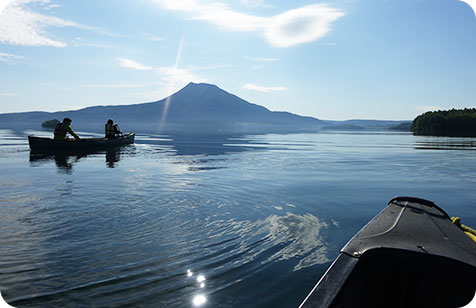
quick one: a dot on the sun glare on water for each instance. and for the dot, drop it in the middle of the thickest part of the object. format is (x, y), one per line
(199, 300)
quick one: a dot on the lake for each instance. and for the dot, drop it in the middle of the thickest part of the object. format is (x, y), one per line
(217, 221)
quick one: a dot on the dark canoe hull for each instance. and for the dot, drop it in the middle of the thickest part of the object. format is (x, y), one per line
(40, 144)
(409, 255)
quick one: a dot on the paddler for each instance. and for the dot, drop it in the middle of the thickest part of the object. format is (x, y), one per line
(112, 130)
(63, 128)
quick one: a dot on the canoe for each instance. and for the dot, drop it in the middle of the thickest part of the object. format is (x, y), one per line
(409, 255)
(42, 144)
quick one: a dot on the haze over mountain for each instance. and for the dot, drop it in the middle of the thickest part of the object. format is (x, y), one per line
(197, 108)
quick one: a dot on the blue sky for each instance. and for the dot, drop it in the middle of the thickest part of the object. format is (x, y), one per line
(333, 60)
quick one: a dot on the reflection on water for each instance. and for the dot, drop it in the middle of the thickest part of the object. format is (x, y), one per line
(112, 157)
(228, 221)
(208, 145)
(199, 300)
(66, 161)
(63, 162)
(283, 237)
(302, 235)
(445, 143)
(196, 153)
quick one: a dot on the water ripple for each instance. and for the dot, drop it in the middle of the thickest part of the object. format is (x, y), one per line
(164, 224)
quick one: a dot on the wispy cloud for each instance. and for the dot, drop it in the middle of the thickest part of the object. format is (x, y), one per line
(9, 58)
(151, 37)
(79, 42)
(51, 6)
(167, 74)
(256, 3)
(210, 67)
(134, 65)
(297, 26)
(428, 108)
(21, 26)
(179, 76)
(118, 86)
(253, 87)
(261, 59)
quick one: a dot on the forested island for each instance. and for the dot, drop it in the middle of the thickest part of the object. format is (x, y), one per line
(450, 123)
(50, 123)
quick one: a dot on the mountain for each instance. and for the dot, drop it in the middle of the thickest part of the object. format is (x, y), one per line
(197, 108)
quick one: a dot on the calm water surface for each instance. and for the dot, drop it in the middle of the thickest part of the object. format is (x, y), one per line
(250, 221)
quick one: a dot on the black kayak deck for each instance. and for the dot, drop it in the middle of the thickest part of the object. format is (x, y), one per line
(409, 255)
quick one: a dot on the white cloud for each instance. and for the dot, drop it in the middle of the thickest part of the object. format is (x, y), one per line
(472, 4)
(297, 26)
(220, 15)
(302, 25)
(134, 65)
(4, 4)
(253, 87)
(428, 108)
(20, 26)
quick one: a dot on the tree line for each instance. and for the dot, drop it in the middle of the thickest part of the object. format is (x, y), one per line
(451, 123)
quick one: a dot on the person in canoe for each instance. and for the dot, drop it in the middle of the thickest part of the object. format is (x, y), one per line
(63, 128)
(112, 130)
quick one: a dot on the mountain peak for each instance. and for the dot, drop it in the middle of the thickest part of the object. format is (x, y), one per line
(200, 85)
(198, 91)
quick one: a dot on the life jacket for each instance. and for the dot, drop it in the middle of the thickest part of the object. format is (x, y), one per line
(60, 131)
(109, 129)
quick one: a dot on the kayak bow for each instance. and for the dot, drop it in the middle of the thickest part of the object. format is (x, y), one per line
(409, 255)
